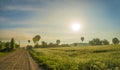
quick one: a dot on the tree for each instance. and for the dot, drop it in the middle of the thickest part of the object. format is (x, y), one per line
(12, 44)
(105, 42)
(0, 45)
(28, 41)
(17, 46)
(82, 39)
(51, 44)
(57, 42)
(36, 39)
(7, 46)
(95, 41)
(115, 41)
(44, 44)
(91, 43)
(75, 44)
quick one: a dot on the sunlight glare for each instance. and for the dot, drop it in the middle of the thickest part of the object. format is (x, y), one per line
(75, 26)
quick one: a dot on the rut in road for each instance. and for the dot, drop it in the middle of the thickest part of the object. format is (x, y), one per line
(18, 60)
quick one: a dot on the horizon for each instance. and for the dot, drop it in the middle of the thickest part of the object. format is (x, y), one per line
(52, 19)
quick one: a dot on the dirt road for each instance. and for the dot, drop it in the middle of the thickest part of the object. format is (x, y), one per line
(18, 60)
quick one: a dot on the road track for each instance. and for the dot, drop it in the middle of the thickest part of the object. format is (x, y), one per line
(18, 60)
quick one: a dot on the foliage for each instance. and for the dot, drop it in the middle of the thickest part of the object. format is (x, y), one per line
(29, 47)
(82, 39)
(12, 44)
(95, 41)
(0, 44)
(51, 44)
(28, 41)
(57, 42)
(105, 42)
(8, 46)
(115, 41)
(36, 39)
(36, 46)
(75, 44)
(44, 44)
(78, 58)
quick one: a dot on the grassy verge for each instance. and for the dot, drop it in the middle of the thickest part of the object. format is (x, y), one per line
(78, 58)
(2, 54)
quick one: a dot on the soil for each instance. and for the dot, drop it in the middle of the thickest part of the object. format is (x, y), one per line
(18, 60)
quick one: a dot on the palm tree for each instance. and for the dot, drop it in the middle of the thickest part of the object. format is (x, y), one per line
(57, 42)
(82, 39)
(28, 41)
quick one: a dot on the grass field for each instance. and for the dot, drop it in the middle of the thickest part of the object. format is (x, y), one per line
(78, 58)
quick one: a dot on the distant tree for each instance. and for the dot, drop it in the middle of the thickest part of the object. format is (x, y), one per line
(36, 39)
(82, 39)
(28, 41)
(115, 41)
(75, 44)
(57, 42)
(105, 42)
(91, 43)
(0, 45)
(95, 41)
(37, 45)
(51, 45)
(44, 44)
(17, 45)
(7, 46)
(12, 44)
(29, 47)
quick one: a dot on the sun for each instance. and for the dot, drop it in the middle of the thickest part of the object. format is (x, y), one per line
(75, 26)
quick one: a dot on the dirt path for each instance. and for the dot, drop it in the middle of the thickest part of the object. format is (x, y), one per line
(18, 60)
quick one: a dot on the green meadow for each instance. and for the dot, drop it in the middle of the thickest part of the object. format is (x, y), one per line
(78, 58)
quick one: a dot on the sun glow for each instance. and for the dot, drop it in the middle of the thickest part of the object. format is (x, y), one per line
(75, 26)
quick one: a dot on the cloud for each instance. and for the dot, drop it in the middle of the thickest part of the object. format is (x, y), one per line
(24, 8)
(3, 19)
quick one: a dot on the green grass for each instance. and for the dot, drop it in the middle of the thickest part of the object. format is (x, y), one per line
(78, 58)
(2, 54)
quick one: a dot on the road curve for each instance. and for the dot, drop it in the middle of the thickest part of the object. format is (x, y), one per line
(18, 60)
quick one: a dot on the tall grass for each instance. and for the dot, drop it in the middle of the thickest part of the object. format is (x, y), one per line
(78, 58)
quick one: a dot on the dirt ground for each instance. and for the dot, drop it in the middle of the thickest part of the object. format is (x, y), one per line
(18, 60)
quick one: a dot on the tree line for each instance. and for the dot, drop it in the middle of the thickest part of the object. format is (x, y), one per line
(95, 41)
(45, 44)
(8, 46)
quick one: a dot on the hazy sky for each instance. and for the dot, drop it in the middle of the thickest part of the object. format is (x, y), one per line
(23, 19)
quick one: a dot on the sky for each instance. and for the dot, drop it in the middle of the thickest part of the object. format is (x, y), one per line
(51, 19)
